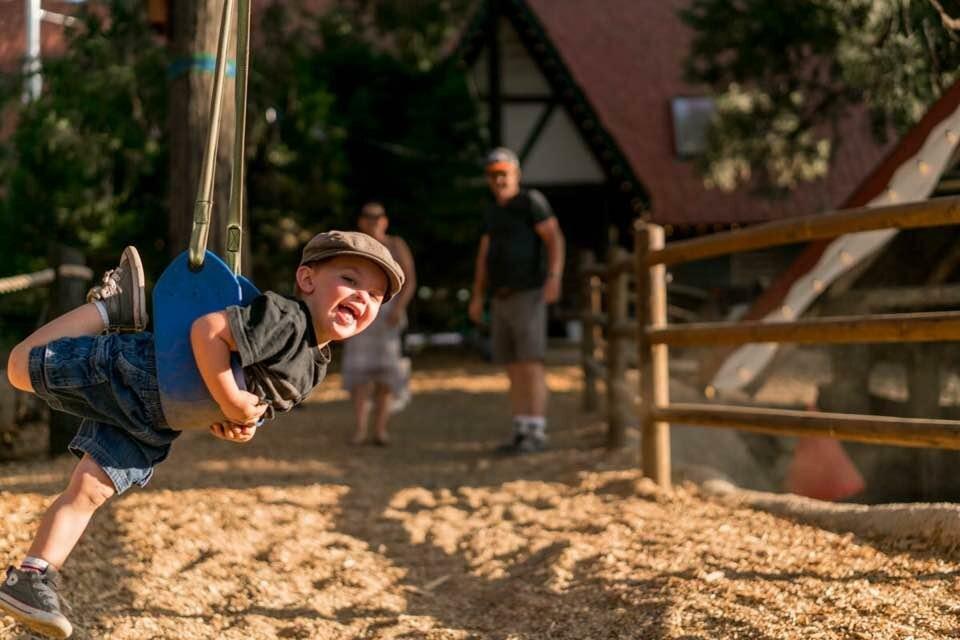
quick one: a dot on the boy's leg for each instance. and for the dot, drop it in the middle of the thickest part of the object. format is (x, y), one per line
(117, 303)
(82, 321)
(30, 593)
(67, 518)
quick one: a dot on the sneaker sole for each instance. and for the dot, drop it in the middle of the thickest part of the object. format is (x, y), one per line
(140, 317)
(35, 619)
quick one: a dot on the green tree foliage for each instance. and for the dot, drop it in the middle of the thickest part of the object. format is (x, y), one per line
(86, 164)
(357, 104)
(787, 74)
(364, 121)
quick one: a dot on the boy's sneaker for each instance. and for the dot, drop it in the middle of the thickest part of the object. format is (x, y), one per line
(33, 600)
(122, 291)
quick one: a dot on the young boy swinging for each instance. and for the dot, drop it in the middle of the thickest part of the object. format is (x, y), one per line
(79, 363)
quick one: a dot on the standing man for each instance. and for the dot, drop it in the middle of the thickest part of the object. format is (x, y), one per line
(520, 265)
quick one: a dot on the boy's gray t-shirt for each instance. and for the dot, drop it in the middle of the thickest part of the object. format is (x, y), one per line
(278, 349)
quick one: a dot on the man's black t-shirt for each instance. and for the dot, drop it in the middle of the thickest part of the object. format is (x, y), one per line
(278, 350)
(516, 258)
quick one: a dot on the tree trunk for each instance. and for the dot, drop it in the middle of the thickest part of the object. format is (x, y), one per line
(195, 26)
(67, 293)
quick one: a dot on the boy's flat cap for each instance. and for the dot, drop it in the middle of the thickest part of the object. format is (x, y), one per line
(331, 244)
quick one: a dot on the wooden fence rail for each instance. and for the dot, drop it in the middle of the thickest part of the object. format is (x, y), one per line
(68, 282)
(608, 333)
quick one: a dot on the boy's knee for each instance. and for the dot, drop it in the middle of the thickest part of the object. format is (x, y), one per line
(90, 486)
(18, 368)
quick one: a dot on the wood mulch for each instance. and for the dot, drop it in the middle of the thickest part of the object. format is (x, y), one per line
(300, 535)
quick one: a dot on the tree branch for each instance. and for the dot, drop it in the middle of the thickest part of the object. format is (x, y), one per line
(952, 24)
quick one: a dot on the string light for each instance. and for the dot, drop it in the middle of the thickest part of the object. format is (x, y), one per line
(952, 136)
(923, 167)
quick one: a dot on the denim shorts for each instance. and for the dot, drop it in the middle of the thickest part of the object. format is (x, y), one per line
(111, 382)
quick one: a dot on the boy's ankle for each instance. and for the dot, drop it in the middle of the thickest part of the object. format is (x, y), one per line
(32, 563)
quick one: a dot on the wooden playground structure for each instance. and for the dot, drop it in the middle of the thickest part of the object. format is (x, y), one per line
(651, 333)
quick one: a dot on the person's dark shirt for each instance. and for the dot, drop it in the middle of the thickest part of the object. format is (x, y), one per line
(516, 258)
(278, 350)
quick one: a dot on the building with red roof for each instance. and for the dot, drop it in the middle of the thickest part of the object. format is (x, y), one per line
(588, 93)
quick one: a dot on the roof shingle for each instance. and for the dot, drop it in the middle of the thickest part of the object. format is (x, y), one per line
(627, 57)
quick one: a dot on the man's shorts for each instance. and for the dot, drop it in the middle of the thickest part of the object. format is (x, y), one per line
(111, 382)
(518, 324)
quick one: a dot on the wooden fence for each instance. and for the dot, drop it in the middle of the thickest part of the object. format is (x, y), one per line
(67, 282)
(653, 335)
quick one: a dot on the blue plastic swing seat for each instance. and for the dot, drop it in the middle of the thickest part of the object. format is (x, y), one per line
(180, 296)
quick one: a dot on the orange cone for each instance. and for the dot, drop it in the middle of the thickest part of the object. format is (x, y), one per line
(821, 469)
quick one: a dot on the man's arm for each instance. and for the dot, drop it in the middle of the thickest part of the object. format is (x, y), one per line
(405, 258)
(479, 280)
(549, 231)
(212, 342)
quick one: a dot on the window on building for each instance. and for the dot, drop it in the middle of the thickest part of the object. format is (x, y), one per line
(691, 118)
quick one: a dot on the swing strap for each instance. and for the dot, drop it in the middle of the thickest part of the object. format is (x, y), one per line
(234, 244)
(204, 203)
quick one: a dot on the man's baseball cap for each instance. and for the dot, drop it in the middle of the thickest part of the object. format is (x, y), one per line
(501, 159)
(331, 244)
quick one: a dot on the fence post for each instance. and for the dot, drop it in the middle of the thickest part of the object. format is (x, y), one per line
(652, 360)
(590, 292)
(68, 292)
(616, 354)
(923, 399)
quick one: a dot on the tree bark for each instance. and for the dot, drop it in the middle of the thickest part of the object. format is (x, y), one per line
(67, 293)
(195, 28)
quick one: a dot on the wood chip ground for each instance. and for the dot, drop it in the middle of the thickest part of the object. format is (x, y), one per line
(300, 535)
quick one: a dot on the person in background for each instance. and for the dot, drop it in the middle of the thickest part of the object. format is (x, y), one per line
(520, 266)
(374, 370)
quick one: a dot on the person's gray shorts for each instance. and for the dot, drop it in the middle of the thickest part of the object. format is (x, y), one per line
(518, 325)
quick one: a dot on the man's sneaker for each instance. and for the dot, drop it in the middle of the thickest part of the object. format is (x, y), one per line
(533, 444)
(522, 444)
(122, 292)
(32, 599)
(513, 446)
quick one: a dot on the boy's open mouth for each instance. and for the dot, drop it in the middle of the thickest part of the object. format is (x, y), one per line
(348, 313)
